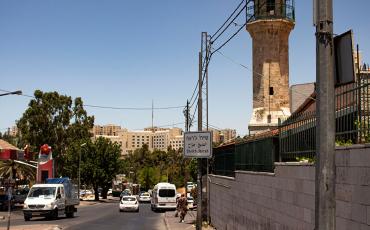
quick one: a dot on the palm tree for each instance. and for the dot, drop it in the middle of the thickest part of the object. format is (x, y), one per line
(13, 169)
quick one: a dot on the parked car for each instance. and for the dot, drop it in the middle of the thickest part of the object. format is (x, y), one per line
(129, 203)
(191, 204)
(144, 197)
(20, 196)
(4, 202)
(125, 192)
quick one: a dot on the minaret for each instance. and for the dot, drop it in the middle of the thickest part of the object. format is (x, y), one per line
(270, 24)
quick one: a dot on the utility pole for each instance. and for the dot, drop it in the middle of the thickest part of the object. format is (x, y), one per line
(187, 113)
(200, 127)
(325, 129)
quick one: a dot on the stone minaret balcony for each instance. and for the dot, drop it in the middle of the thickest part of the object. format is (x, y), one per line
(271, 9)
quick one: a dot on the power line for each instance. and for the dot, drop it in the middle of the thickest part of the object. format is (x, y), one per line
(247, 21)
(228, 40)
(195, 90)
(114, 107)
(230, 23)
(134, 108)
(259, 74)
(228, 18)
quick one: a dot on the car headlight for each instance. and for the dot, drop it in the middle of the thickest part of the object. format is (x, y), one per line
(25, 206)
(49, 205)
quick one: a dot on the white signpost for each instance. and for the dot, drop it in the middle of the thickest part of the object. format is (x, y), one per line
(198, 144)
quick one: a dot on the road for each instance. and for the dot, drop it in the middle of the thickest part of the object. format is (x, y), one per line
(93, 217)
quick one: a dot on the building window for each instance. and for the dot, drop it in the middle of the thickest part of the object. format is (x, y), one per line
(270, 6)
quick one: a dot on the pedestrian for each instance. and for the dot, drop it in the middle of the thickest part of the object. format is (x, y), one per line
(177, 207)
(183, 207)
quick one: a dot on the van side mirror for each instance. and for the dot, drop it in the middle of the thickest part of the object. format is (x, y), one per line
(59, 196)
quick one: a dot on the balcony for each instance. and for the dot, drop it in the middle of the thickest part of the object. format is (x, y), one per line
(264, 10)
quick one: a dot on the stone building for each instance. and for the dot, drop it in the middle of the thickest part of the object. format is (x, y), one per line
(270, 23)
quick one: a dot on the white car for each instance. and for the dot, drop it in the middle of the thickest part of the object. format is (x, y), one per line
(129, 203)
(144, 197)
(190, 201)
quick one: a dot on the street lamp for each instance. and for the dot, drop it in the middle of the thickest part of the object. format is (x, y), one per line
(18, 92)
(79, 170)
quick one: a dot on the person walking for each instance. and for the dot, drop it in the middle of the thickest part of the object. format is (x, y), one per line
(183, 207)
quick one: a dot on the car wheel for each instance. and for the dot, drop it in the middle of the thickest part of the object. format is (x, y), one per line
(70, 214)
(55, 214)
(27, 218)
(137, 210)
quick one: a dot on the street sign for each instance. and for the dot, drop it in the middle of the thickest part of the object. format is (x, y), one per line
(198, 144)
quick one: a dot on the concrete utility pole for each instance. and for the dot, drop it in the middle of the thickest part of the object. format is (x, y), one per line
(200, 127)
(325, 129)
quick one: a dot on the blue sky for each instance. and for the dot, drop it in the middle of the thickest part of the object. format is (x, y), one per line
(128, 53)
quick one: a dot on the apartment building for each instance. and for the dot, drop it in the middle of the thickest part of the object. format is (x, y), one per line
(224, 135)
(106, 130)
(154, 138)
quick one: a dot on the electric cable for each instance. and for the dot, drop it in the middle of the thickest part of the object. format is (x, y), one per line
(228, 19)
(244, 7)
(113, 107)
(259, 74)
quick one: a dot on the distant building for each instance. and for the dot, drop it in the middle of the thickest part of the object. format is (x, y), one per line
(224, 135)
(154, 138)
(108, 130)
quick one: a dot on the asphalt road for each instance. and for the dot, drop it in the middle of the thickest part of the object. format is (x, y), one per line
(94, 217)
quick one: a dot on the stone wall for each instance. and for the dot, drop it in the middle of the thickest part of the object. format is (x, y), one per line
(285, 199)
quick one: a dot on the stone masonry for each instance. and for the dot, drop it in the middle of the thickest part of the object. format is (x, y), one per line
(285, 199)
(270, 70)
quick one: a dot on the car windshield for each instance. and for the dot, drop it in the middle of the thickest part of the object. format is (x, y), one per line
(42, 192)
(167, 192)
(145, 194)
(128, 199)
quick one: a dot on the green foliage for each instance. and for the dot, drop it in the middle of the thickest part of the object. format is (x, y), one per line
(55, 120)
(306, 159)
(148, 168)
(148, 176)
(343, 142)
(100, 162)
(8, 138)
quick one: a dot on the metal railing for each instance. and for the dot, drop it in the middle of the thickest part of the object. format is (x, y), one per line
(223, 161)
(297, 134)
(257, 155)
(259, 10)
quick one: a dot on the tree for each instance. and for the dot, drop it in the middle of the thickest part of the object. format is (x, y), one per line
(148, 177)
(53, 119)
(100, 163)
(12, 169)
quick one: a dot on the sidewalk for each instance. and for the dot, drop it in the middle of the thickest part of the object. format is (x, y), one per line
(172, 222)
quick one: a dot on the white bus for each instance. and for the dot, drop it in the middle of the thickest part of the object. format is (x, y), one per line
(163, 197)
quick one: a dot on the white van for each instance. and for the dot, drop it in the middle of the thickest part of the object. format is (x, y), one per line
(163, 197)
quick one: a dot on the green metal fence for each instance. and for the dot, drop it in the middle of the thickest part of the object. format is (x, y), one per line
(223, 161)
(257, 155)
(297, 134)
